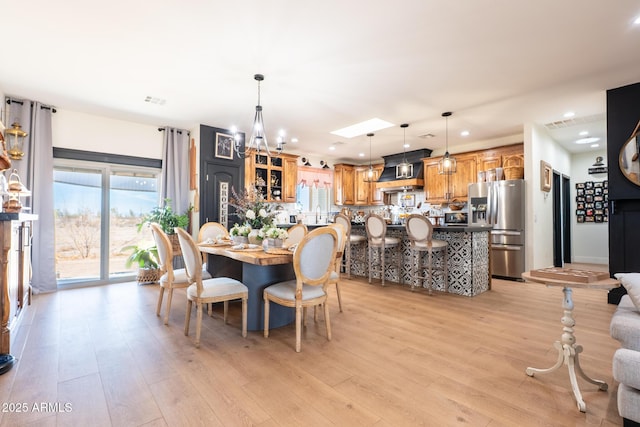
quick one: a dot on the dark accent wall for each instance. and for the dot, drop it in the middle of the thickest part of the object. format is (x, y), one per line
(623, 113)
(216, 169)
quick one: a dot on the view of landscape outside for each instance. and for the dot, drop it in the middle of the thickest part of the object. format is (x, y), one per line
(79, 201)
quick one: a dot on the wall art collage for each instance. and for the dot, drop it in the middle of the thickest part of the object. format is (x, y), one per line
(592, 201)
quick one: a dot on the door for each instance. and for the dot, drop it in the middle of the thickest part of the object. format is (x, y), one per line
(557, 220)
(217, 185)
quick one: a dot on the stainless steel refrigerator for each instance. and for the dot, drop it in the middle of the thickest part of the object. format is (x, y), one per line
(500, 205)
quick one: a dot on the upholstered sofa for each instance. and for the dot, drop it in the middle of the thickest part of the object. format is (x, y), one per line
(625, 327)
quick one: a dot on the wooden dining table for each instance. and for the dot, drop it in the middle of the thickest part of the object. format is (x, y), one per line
(257, 269)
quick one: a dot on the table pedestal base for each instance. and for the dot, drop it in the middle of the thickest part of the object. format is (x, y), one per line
(568, 352)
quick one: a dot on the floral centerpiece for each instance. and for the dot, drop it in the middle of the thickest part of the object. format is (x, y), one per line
(273, 236)
(252, 209)
(239, 233)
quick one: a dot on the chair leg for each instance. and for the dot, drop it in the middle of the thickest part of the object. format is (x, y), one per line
(160, 296)
(399, 264)
(266, 318)
(383, 255)
(430, 267)
(198, 323)
(347, 267)
(446, 269)
(187, 318)
(369, 250)
(226, 311)
(327, 322)
(244, 317)
(168, 309)
(298, 327)
(339, 297)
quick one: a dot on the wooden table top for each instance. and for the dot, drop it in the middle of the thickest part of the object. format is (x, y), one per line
(256, 257)
(600, 284)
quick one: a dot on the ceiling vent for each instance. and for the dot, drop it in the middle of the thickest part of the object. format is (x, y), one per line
(426, 135)
(575, 121)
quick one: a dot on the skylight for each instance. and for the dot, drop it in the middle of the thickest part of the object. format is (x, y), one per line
(362, 128)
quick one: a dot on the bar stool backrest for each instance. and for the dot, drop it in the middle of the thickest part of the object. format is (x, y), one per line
(376, 228)
(345, 221)
(419, 229)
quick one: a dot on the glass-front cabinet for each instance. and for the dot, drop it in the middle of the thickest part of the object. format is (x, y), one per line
(274, 177)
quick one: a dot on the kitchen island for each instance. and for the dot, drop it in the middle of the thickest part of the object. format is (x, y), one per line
(468, 258)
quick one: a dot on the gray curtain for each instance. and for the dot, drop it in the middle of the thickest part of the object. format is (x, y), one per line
(36, 172)
(175, 169)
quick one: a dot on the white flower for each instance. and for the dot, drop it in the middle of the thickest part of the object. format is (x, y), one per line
(250, 214)
(262, 213)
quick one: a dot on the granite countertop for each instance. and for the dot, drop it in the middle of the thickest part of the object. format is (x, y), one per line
(449, 228)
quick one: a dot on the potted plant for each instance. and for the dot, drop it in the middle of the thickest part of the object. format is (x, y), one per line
(147, 260)
(168, 220)
(239, 233)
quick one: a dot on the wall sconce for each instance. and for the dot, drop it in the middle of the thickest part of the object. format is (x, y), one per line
(305, 162)
(15, 140)
(324, 164)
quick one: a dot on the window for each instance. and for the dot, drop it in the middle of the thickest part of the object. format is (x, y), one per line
(98, 206)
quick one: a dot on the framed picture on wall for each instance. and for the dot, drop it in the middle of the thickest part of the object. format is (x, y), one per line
(224, 146)
(545, 176)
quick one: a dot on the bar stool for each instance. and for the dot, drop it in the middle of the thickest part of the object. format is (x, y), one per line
(377, 237)
(353, 239)
(420, 231)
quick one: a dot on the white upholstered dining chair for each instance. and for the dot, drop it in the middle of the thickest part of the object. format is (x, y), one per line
(313, 262)
(212, 230)
(171, 279)
(219, 289)
(334, 277)
(295, 234)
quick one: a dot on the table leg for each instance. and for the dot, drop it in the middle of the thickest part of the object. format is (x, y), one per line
(568, 352)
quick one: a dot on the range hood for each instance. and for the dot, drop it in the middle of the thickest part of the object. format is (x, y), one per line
(389, 181)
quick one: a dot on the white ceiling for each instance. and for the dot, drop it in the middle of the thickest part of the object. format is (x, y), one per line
(497, 64)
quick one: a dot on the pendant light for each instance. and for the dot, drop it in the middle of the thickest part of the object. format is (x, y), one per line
(370, 175)
(405, 169)
(447, 165)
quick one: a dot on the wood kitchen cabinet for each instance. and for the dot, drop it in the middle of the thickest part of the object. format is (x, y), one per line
(15, 279)
(437, 186)
(274, 177)
(494, 157)
(366, 193)
(343, 185)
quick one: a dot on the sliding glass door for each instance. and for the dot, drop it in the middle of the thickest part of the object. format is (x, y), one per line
(98, 207)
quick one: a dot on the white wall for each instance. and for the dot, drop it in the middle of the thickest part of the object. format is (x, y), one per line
(538, 145)
(590, 240)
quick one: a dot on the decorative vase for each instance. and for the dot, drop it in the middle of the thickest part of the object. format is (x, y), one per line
(240, 239)
(272, 243)
(253, 237)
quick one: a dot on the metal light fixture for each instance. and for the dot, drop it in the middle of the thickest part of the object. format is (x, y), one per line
(370, 175)
(258, 141)
(324, 164)
(405, 169)
(15, 140)
(447, 165)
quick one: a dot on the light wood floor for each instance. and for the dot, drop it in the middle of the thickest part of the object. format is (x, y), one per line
(397, 358)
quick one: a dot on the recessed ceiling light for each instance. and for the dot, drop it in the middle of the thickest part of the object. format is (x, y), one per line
(595, 145)
(294, 140)
(584, 133)
(569, 114)
(361, 154)
(332, 147)
(637, 20)
(587, 140)
(362, 128)
(464, 133)
(407, 145)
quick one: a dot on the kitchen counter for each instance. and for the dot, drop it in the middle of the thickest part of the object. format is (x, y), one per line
(468, 258)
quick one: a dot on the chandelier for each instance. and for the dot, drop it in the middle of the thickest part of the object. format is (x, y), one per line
(447, 164)
(258, 141)
(405, 169)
